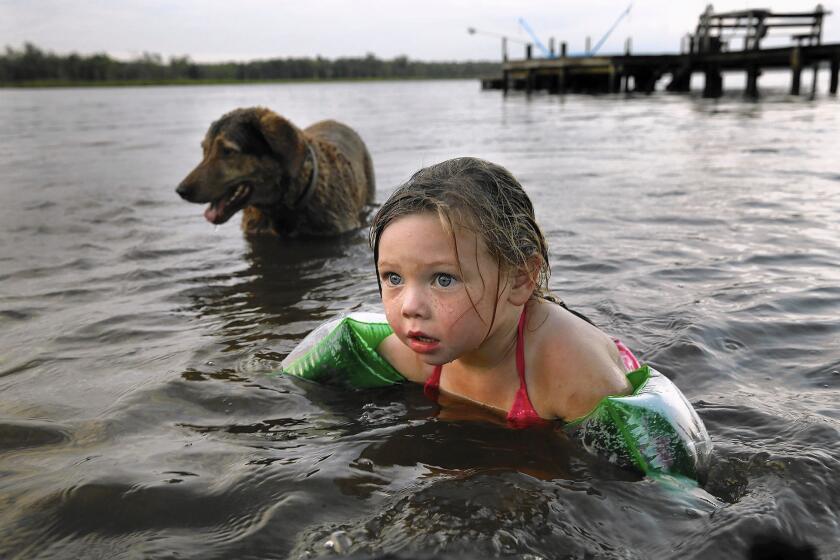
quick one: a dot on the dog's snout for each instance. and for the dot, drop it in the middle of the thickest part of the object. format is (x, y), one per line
(186, 191)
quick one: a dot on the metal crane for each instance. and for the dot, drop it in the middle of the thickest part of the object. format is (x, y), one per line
(610, 30)
(537, 42)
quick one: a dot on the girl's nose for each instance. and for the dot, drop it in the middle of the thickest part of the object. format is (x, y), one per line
(414, 302)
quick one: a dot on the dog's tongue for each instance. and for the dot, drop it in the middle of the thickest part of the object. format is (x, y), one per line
(215, 213)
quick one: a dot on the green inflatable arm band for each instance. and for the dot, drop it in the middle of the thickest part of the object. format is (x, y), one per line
(654, 429)
(343, 352)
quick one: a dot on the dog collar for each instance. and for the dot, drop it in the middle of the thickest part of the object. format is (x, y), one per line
(306, 195)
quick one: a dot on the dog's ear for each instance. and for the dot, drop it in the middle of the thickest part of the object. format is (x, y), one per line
(285, 139)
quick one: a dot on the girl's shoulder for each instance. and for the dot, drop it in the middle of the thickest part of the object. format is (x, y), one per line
(574, 364)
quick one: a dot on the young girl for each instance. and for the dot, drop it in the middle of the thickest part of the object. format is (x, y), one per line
(463, 269)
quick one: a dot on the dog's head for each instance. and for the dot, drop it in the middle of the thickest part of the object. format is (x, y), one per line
(250, 156)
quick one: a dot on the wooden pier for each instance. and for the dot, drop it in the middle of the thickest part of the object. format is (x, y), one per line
(706, 52)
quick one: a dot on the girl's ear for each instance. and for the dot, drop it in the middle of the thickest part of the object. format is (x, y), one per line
(523, 282)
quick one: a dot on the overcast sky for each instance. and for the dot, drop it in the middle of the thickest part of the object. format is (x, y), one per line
(215, 30)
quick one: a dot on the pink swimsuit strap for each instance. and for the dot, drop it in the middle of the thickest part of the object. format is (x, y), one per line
(630, 362)
(522, 414)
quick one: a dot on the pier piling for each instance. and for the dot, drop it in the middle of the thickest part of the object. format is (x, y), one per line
(753, 72)
(680, 80)
(615, 80)
(713, 86)
(795, 70)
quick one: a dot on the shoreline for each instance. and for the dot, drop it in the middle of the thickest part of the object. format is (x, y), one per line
(56, 84)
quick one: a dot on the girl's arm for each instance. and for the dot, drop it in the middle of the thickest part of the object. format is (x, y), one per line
(580, 387)
(403, 359)
(577, 365)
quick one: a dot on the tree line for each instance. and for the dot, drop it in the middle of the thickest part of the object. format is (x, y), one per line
(33, 65)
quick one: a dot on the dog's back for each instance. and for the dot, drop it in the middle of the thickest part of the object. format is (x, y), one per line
(351, 145)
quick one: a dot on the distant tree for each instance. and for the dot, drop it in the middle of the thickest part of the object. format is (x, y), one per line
(32, 64)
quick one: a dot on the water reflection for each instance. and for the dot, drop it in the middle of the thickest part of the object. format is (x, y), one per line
(284, 288)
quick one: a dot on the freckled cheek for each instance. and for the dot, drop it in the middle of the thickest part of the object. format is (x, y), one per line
(392, 310)
(453, 314)
(393, 305)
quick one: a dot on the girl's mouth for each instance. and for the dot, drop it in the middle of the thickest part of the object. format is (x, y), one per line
(422, 343)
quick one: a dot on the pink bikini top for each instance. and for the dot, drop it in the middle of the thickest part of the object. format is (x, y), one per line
(522, 414)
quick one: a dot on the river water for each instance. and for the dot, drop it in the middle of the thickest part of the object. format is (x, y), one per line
(139, 419)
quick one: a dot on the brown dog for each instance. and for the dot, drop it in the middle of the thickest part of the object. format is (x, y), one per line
(317, 181)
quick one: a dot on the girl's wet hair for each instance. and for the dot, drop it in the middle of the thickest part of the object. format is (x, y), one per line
(483, 197)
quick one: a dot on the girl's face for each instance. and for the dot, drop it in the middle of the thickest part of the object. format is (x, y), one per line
(439, 301)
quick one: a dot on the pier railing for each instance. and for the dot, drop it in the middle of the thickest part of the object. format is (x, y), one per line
(715, 31)
(709, 53)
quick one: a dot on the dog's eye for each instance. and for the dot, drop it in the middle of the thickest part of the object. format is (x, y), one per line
(225, 148)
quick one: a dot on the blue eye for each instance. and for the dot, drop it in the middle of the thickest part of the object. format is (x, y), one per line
(393, 278)
(444, 280)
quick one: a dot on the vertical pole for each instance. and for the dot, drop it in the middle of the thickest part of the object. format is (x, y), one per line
(588, 45)
(553, 81)
(835, 67)
(714, 82)
(754, 36)
(650, 82)
(504, 49)
(528, 51)
(680, 80)
(563, 49)
(818, 32)
(748, 34)
(615, 80)
(551, 46)
(623, 76)
(795, 69)
(818, 19)
(752, 81)
(760, 32)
